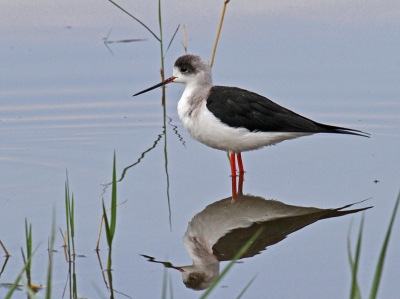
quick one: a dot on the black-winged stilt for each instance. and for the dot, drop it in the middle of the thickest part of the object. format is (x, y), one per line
(233, 119)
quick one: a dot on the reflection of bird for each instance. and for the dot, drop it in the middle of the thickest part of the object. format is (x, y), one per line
(234, 119)
(218, 232)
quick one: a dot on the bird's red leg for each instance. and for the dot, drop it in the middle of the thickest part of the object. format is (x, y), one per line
(241, 180)
(233, 172)
(240, 164)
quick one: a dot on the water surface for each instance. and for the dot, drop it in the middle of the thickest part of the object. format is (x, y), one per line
(66, 105)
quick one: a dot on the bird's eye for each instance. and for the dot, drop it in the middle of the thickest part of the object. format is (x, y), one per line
(184, 69)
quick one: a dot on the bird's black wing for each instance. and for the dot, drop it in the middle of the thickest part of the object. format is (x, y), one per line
(241, 108)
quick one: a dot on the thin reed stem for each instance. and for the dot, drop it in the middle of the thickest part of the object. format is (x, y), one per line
(218, 32)
(136, 19)
(185, 47)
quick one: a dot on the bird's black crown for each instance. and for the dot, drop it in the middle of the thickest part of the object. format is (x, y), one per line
(188, 64)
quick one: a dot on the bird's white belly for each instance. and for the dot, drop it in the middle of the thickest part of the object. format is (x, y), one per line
(206, 128)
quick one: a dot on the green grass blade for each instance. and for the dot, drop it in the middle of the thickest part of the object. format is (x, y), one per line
(71, 215)
(246, 287)
(136, 19)
(241, 252)
(382, 255)
(15, 284)
(165, 284)
(160, 18)
(29, 291)
(72, 224)
(50, 265)
(113, 201)
(171, 289)
(19, 277)
(28, 239)
(25, 261)
(67, 216)
(110, 282)
(355, 289)
(74, 285)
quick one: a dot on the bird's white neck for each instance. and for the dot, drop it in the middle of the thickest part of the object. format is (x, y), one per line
(193, 96)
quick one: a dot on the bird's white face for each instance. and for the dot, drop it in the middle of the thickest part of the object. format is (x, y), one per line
(192, 71)
(182, 75)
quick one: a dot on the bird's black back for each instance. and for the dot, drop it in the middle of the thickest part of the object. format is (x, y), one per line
(241, 108)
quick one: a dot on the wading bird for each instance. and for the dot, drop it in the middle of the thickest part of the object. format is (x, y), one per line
(233, 119)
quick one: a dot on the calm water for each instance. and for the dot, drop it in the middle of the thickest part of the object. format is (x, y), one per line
(66, 105)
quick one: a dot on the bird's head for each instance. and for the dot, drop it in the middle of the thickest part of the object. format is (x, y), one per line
(190, 70)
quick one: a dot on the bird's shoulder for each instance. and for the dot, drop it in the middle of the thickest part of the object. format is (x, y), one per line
(241, 101)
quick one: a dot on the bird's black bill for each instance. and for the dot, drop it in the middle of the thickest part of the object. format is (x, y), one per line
(169, 80)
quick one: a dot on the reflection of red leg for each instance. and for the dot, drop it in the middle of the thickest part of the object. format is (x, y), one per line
(240, 164)
(233, 173)
(240, 187)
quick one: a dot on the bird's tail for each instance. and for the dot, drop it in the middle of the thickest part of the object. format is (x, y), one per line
(341, 130)
(339, 211)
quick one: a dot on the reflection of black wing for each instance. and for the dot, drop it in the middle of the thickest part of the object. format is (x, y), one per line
(242, 108)
(274, 232)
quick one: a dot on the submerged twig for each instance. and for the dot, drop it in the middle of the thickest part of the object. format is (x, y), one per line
(175, 129)
(159, 136)
(101, 268)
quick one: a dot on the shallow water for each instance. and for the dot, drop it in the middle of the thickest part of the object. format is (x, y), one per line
(66, 105)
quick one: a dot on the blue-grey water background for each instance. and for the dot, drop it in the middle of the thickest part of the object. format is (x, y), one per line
(66, 104)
